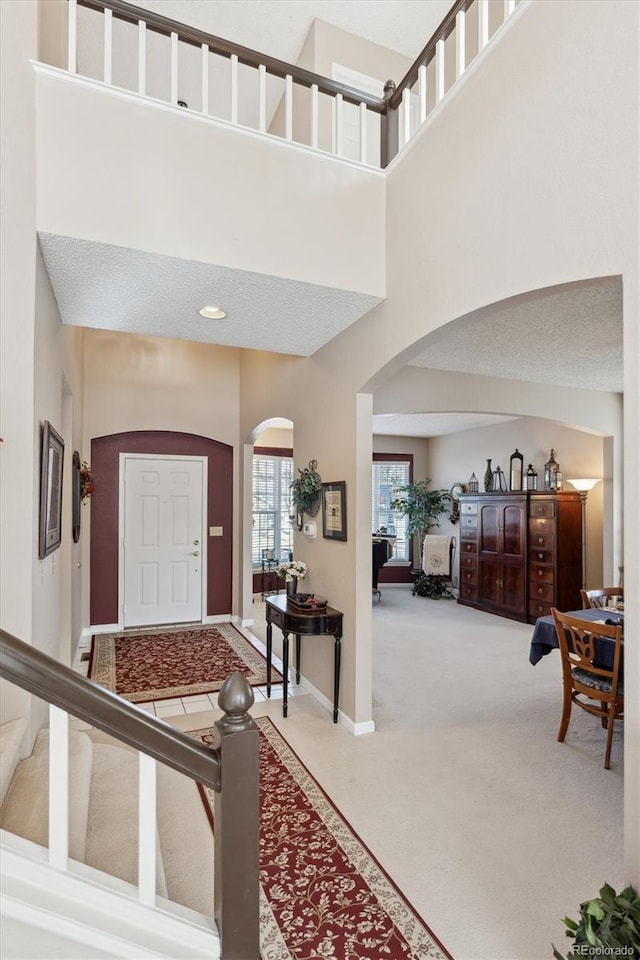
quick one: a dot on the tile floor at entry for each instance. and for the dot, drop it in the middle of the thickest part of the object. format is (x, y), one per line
(202, 701)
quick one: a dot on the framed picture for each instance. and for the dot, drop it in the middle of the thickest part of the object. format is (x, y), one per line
(75, 496)
(334, 510)
(51, 490)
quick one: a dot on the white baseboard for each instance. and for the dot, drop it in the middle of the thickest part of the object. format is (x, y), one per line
(219, 618)
(366, 726)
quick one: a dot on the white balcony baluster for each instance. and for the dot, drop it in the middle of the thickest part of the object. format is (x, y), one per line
(440, 54)
(262, 97)
(288, 108)
(460, 43)
(58, 788)
(483, 24)
(234, 88)
(174, 68)
(406, 117)
(422, 92)
(363, 133)
(108, 46)
(205, 78)
(147, 843)
(509, 7)
(314, 116)
(339, 125)
(142, 57)
(72, 36)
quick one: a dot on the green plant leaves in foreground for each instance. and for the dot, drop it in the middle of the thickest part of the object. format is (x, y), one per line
(610, 921)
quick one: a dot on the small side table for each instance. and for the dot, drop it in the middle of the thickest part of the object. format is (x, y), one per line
(324, 622)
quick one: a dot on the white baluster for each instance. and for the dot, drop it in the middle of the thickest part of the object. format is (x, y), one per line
(509, 7)
(174, 68)
(339, 125)
(483, 24)
(234, 88)
(363, 133)
(460, 43)
(108, 45)
(422, 90)
(146, 829)
(58, 788)
(288, 107)
(262, 97)
(314, 116)
(406, 116)
(439, 70)
(205, 78)
(142, 57)
(72, 36)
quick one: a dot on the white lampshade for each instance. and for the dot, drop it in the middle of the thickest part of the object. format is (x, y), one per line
(584, 484)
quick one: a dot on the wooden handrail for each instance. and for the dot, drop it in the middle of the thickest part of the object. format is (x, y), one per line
(440, 33)
(226, 48)
(43, 676)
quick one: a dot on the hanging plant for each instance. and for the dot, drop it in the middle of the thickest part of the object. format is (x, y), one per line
(306, 490)
(87, 484)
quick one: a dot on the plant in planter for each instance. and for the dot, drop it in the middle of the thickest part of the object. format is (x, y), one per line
(608, 921)
(432, 587)
(422, 507)
(305, 492)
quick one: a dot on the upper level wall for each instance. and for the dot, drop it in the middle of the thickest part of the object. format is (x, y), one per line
(116, 169)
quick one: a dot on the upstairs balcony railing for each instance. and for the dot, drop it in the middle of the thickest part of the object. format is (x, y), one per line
(125, 47)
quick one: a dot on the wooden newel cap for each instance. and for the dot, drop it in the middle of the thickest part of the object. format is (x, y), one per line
(235, 698)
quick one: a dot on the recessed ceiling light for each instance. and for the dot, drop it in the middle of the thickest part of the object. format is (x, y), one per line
(212, 313)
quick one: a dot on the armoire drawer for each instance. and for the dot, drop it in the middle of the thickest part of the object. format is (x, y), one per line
(542, 508)
(541, 591)
(540, 555)
(469, 546)
(538, 574)
(469, 591)
(541, 541)
(538, 608)
(541, 526)
(468, 508)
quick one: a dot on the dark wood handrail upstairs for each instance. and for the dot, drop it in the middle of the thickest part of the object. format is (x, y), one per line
(226, 48)
(230, 769)
(428, 53)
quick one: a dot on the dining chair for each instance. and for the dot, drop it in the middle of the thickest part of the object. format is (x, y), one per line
(601, 597)
(584, 680)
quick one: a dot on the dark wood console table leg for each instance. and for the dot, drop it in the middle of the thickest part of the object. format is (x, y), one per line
(298, 654)
(269, 648)
(285, 672)
(337, 650)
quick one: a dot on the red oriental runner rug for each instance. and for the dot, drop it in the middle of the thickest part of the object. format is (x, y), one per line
(142, 665)
(323, 895)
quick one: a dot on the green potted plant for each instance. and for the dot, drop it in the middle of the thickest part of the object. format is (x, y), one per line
(305, 492)
(422, 507)
(611, 920)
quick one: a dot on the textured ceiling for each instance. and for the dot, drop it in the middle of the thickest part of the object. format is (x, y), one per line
(569, 335)
(433, 424)
(117, 288)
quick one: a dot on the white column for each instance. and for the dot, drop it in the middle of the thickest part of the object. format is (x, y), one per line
(461, 36)
(314, 116)
(58, 788)
(205, 79)
(108, 45)
(439, 70)
(142, 57)
(422, 92)
(363, 133)
(483, 24)
(339, 131)
(174, 68)
(72, 36)
(288, 107)
(262, 97)
(147, 843)
(234, 88)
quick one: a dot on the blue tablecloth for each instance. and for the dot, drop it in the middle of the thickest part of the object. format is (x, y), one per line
(545, 639)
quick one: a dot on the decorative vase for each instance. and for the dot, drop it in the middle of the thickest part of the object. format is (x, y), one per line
(292, 587)
(488, 477)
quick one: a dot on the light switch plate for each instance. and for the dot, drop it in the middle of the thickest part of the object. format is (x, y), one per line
(216, 531)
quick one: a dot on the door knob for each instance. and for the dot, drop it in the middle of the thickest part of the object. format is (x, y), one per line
(195, 553)
(196, 542)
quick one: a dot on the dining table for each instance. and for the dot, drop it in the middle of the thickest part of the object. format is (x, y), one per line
(545, 639)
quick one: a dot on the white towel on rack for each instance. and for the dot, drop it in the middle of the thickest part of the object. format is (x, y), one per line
(436, 555)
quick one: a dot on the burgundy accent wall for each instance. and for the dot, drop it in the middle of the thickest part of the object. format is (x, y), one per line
(104, 550)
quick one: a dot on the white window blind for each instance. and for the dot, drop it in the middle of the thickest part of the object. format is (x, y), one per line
(272, 529)
(387, 475)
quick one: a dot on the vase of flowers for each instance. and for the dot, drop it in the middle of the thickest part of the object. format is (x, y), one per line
(87, 484)
(289, 572)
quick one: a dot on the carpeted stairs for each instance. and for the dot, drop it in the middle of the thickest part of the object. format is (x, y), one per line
(103, 815)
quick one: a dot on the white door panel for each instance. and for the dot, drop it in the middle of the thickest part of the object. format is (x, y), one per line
(163, 535)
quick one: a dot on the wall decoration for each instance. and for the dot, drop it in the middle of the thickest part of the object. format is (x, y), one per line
(516, 471)
(532, 478)
(488, 477)
(473, 486)
(305, 492)
(334, 510)
(87, 483)
(551, 469)
(75, 496)
(454, 495)
(52, 461)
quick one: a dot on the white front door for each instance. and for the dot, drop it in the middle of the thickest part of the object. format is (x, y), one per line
(163, 540)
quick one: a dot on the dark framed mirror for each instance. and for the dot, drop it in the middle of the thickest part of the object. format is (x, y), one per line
(75, 495)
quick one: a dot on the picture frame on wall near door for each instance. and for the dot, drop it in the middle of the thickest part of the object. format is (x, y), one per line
(52, 462)
(334, 510)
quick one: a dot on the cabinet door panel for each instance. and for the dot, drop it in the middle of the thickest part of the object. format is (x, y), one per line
(489, 582)
(489, 538)
(514, 532)
(513, 589)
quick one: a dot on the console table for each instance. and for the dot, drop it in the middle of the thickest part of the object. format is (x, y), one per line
(323, 622)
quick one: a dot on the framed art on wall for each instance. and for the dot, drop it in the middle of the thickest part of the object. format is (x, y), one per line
(334, 510)
(52, 462)
(75, 495)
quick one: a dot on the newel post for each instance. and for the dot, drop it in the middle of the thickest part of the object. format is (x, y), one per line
(236, 825)
(388, 127)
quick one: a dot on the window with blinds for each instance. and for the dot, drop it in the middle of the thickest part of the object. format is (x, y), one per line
(386, 476)
(272, 528)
